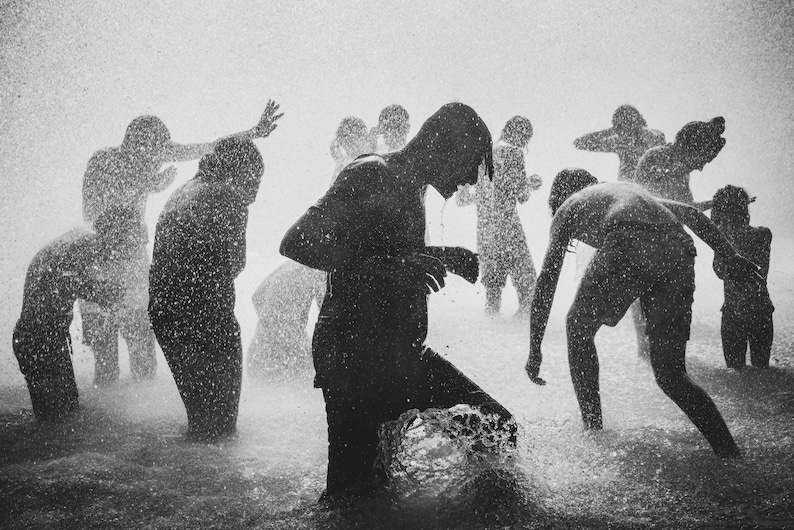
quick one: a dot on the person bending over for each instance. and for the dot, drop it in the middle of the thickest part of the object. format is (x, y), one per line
(642, 252)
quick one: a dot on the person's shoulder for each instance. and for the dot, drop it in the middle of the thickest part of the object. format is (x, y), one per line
(761, 232)
(362, 172)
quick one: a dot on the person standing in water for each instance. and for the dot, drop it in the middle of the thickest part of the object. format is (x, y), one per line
(367, 233)
(70, 267)
(121, 179)
(199, 249)
(627, 225)
(747, 309)
(501, 240)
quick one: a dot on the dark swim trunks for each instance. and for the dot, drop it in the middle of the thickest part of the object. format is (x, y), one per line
(655, 263)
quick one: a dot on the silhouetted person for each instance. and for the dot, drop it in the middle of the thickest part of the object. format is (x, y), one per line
(352, 140)
(393, 126)
(281, 347)
(199, 249)
(125, 176)
(629, 138)
(664, 170)
(643, 252)
(68, 268)
(367, 233)
(501, 241)
(747, 308)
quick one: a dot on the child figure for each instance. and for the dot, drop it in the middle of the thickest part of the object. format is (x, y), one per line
(747, 310)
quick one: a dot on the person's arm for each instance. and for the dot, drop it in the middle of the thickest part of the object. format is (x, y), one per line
(515, 175)
(598, 141)
(542, 302)
(457, 260)
(176, 152)
(318, 240)
(736, 264)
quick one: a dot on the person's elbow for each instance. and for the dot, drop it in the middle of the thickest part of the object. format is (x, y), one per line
(290, 244)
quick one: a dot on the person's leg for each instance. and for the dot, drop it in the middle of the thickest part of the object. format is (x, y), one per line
(45, 360)
(445, 386)
(101, 333)
(669, 368)
(212, 382)
(137, 332)
(493, 276)
(640, 327)
(352, 443)
(734, 340)
(761, 341)
(524, 276)
(581, 328)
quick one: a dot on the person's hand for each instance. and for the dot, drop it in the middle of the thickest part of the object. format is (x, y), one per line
(532, 368)
(267, 123)
(166, 177)
(422, 268)
(463, 262)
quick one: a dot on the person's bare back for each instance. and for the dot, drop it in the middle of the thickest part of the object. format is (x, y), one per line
(589, 215)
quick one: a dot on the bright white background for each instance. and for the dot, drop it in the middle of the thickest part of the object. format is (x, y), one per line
(74, 73)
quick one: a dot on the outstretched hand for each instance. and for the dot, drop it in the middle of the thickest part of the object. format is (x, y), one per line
(532, 368)
(267, 123)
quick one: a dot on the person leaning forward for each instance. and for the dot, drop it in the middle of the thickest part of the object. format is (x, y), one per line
(642, 252)
(367, 233)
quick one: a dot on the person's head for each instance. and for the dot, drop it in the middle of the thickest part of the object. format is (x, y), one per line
(354, 137)
(517, 131)
(730, 206)
(627, 118)
(566, 183)
(450, 146)
(147, 134)
(236, 163)
(393, 124)
(700, 142)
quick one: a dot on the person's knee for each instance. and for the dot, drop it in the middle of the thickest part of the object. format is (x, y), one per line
(580, 326)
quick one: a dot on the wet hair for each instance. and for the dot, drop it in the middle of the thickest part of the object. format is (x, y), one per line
(147, 132)
(566, 183)
(236, 162)
(354, 137)
(517, 131)
(730, 206)
(456, 130)
(393, 118)
(628, 117)
(703, 138)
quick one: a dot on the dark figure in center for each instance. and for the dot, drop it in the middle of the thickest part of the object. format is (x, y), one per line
(199, 249)
(368, 234)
